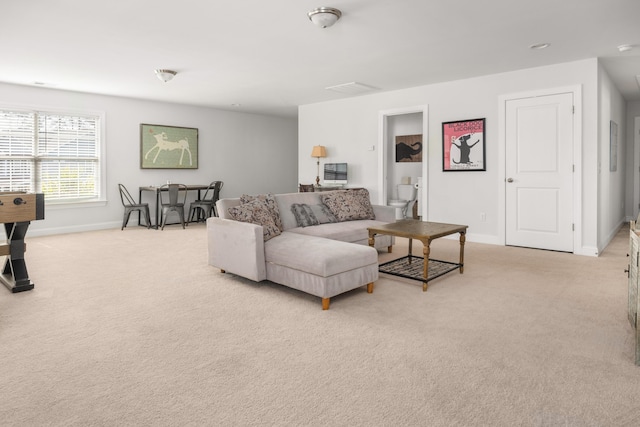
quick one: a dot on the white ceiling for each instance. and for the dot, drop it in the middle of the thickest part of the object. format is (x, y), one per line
(269, 58)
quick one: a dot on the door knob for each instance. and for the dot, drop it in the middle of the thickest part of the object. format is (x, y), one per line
(509, 179)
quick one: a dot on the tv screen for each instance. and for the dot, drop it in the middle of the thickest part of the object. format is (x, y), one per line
(335, 173)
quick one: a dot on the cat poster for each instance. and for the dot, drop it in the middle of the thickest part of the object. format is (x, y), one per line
(463, 145)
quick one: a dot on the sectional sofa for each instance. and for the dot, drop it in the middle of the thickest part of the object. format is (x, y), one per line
(315, 242)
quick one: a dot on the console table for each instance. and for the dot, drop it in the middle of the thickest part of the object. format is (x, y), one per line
(425, 232)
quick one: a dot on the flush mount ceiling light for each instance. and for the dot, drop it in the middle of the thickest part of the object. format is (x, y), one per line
(324, 17)
(539, 46)
(625, 47)
(165, 75)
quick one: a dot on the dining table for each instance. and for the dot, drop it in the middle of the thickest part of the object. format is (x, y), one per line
(157, 189)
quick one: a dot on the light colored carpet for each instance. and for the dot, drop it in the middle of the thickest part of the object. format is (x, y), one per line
(134, 328)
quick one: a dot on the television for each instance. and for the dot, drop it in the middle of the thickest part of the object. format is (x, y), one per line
(335, 173)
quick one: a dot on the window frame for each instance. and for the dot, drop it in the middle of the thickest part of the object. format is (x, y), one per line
(101, 199)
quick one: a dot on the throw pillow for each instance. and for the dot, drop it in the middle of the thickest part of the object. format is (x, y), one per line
(256, 212)
(323, 214)
(349, 205)
(307, 215)
(268, 199)
(303, 215)
(362, 194)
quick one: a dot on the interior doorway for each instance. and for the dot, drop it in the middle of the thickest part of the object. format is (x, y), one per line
(540, 169)
(387, 170)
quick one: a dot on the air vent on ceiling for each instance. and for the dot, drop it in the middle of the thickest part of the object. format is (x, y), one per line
(353, 88)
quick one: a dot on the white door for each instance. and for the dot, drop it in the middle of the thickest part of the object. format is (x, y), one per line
(539, 172)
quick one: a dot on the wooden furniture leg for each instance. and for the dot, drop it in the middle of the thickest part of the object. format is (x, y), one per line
(14, 274)
(370, 287)
(426, 249)
(325, 303)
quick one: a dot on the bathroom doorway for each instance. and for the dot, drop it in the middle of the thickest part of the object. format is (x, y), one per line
(399, 132)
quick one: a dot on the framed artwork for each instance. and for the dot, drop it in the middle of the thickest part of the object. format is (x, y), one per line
(463, 146)
(409, 148)
(613, 146)
(168, 147)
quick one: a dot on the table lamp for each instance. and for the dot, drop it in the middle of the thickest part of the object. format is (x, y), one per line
(317, 152)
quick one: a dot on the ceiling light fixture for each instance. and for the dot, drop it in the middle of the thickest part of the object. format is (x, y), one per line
(324, 17)
(625, 47)
(166, 75)
(539, 46)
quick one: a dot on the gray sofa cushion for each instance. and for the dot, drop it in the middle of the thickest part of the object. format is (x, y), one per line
(343, 231)
(337, 257)
(285, 201)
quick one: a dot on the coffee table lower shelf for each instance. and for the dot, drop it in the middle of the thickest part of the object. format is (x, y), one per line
(411, 267)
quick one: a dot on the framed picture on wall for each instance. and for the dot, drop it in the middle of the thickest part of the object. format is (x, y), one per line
(613, 146)
(168, 147)
(408, 148)
(463, 146)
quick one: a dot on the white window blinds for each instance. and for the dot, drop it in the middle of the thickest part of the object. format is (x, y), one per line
(56, 154)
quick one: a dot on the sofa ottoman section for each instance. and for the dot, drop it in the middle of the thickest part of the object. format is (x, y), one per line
(321, 267)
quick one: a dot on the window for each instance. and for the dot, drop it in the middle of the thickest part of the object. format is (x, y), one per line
(52, 153)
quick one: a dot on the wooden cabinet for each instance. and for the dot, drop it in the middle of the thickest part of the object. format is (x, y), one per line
(634, 301)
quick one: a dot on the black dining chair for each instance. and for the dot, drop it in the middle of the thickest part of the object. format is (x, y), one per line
(130, 205)
(206, 206)
(173, 197)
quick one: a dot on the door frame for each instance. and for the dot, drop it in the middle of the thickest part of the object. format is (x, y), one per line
(577, 159)
(383, 144)
(636, 168)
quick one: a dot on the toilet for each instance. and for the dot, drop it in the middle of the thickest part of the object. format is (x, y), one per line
(406, 194)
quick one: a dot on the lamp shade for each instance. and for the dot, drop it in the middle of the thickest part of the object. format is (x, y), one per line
(319, 151)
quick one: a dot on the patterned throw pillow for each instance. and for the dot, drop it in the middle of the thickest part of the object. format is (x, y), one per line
(256, 212)
(349, 205)
(307, 215)
(270, 201)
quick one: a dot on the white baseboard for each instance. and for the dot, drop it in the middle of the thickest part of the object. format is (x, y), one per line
(36, 232)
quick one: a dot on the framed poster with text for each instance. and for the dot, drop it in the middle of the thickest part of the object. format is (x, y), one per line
(463, 146)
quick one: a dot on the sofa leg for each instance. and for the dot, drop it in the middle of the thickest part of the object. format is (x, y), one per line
(370, 287)
(389, 249)
(222, 271)
(325, 303)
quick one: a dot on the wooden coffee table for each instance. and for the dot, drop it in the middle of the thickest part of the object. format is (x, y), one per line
(425, 232)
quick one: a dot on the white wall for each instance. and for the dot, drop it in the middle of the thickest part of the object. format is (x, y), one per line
(250, 153)
(611, 184)
(349, 126)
